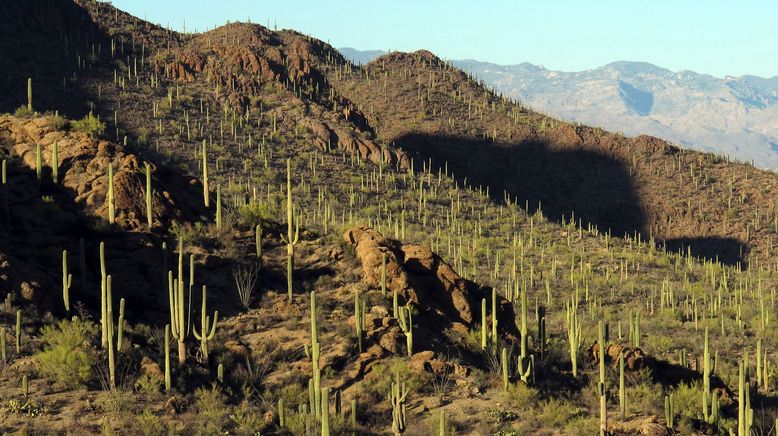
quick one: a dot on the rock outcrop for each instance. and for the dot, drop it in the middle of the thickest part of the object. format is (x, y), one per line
(425, 280)
(83, 169)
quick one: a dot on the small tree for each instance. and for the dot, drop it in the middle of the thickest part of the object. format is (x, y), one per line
(69, 354)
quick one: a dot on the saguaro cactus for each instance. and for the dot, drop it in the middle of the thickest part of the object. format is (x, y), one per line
(398, 394)
(526, 362)
(18, 332)
(148, 196)
(291, 238)
(103, 298)
(179, 325)
(111, 200)
(313, 354)
(325, 412)
(622, 393)
(573, 335)
(167, 358)
(359, 318)
(204, 336)
(29, 94)
(54, 162)
(3, 350)
(110, 329)
(709, 403)
(406, 324)
(38, 162)
(67, 281)
(601, 386)
(205, 173)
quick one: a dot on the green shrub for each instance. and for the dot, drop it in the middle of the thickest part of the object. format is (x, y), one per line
(68, 355)
(384, 374)
(210, 405)
(90, 124)
(22, 112)
(149, 424)
(247, 420)
(556, 414)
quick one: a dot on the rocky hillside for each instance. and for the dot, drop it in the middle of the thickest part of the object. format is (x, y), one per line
(682, 198)
(730, 116)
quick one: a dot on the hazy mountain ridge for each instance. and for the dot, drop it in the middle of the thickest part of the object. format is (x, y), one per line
(733, 116)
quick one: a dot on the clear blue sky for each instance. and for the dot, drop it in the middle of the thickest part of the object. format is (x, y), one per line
(708, 36)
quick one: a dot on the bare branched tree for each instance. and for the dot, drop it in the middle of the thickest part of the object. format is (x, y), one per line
(246, 276)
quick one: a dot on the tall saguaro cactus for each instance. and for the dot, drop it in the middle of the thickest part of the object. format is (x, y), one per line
(313, 354)
(178, 320)
(292, 237)
(110, 329)
(29, 94)
(573, 335)
(111, 199)
(205, 335)
(406, 324)
(526, 362)
(148, 195)
(398, 398)
(205, 172)
(359, 318)
(67, 281)
(54, 162)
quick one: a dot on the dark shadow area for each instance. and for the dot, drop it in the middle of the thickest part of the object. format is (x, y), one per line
(729, 251)
(590, 186)
(594, 188)
(51, 42)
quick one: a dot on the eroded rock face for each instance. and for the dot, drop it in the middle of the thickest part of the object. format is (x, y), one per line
(634, 358)
(350, 142)
(83, 169)
(423, 279)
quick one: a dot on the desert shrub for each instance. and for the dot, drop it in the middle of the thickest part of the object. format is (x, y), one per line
(147, 385)
(57, 121)
(377, 386)
(149, 424)
(293, 394)
(520, 396)
(687, 400)
(644, 397)
(210, 405)
(583, 425)
(22, 111)
(247, 420)
(68, 356)
(90, 124)
(143, 136)
(556, 413)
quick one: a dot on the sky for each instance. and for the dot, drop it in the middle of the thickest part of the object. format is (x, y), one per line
(706, 36)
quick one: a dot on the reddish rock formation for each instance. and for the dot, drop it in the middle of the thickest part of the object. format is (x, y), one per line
(83, 169)
(422, 278)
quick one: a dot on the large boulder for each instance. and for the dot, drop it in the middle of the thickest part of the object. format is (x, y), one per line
(424, 279)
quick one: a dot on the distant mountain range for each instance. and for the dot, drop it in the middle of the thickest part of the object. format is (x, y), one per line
(733, 116)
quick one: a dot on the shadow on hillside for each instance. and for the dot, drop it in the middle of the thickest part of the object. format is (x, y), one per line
(43, 219)
(593, 187)
(602, 194)
(728, 251)
(44, 40)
